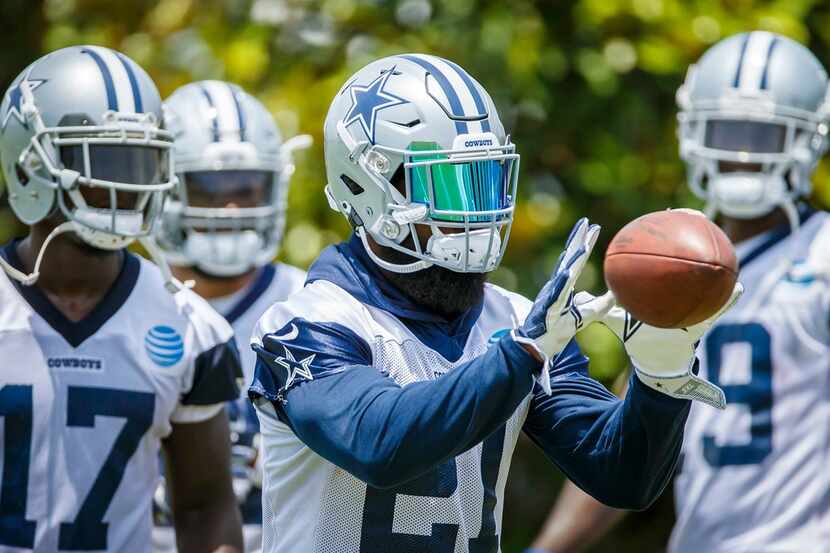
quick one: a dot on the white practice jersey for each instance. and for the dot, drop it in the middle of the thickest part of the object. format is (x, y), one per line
(756, 477)
(84, 405)
(273, 283)
(312, 506)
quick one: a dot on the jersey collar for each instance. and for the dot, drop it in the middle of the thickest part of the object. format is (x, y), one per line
(774, 236)
(255, 290)
(348, 266)
(76, 332)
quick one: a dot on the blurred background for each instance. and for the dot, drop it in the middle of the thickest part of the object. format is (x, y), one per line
(586, 88)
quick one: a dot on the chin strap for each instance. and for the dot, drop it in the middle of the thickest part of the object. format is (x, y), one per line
(171, 283)
(394, 267)
(30, 279)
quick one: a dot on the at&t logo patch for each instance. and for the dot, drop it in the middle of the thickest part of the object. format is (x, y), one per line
(164, 346)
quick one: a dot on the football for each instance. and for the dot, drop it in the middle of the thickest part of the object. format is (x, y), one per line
(672, 268)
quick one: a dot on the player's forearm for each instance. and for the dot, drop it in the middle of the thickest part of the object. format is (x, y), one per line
(656, 425)
(386, 434)
(205, 513)
(620, 452)
(576, 521)
(216, 529)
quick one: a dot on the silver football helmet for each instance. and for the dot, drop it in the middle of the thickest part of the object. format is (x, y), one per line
(753, 124)
(415, 140)
(227, 214)
(80, 131)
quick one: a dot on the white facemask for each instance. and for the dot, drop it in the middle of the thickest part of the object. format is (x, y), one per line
(88, 220)
(450, 248)
(746, 195)
(223, 253)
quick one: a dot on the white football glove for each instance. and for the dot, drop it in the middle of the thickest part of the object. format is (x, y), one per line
(555, 316)
(664, 358)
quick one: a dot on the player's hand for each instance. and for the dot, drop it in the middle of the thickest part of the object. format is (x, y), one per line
(664, 359)
(557, 315)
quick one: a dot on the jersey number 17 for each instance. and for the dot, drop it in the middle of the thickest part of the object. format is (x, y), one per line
(88, 531)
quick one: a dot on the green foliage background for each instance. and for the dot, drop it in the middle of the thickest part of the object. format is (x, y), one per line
(585, 87)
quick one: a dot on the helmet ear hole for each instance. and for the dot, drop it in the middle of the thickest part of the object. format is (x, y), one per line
(398, 180)
(22, 177)
(352, 185)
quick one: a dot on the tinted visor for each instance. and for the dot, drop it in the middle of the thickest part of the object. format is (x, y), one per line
(243, 188)
(746, 136)
(466, 187)
(127, 164)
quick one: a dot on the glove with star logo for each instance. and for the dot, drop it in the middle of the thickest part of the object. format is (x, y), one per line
(664, 358)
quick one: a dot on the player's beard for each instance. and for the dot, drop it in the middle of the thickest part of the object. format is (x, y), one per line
(437, 289)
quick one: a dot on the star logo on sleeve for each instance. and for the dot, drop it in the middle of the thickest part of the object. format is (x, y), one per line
(368, 100)
(295, 368)
(16, 100)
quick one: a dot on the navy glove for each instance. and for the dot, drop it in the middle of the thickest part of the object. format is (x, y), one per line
(557, 313)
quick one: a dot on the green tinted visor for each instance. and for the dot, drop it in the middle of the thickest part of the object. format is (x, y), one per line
(459, 186)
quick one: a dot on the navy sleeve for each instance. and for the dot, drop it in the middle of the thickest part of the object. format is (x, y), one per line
(362, 421)
(304, 351)
(622, 452)
(215, 375)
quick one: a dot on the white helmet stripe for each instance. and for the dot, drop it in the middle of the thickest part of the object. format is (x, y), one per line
(445, 86)
(139, 105)
(225, 104)
(120, 80)
(481, 108)
(211, 111)
(240, 115)
(469, 104)
(419, 59)
(753, 63)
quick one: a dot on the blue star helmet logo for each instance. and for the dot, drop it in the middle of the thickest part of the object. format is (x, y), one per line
(368, 100)
(16, 100)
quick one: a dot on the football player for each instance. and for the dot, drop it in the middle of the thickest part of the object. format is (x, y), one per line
(392, 388)
(221, 229)
(753, 125)
(103, 364)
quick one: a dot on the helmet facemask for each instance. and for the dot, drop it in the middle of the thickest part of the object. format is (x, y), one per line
(226, 222)
(745, 163)
(127, 155)
(464, 195)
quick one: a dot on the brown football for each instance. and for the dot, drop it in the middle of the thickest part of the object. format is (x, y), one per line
(671, 269)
